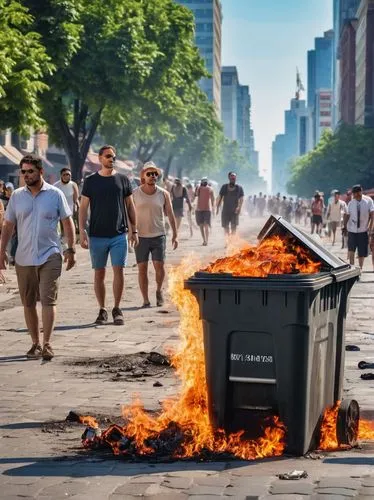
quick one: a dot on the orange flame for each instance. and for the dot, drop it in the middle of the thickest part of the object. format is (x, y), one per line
(273, 255)
(329, 441)
(89, 421)
(188, 413)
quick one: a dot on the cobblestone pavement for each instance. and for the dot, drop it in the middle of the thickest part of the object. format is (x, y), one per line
(41, 458)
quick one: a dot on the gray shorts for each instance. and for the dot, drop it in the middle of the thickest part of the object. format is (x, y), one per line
(151, 246)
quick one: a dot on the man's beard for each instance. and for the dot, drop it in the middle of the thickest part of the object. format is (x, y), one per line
(65, 182)
(232, 183)
(29, 182)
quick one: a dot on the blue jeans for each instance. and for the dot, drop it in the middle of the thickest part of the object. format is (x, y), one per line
(100, 248)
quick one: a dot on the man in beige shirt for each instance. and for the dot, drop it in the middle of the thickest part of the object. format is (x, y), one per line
(152, 203)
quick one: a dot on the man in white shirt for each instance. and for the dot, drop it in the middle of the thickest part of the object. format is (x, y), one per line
(69, 188)
(335, 210)
(358, 221)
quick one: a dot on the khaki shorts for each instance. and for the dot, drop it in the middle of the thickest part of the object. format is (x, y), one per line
(40, 282)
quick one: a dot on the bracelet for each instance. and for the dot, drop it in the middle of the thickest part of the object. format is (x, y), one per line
(134, 232)
(69, 250)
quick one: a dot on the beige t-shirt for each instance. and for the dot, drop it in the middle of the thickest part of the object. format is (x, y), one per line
(150, 212)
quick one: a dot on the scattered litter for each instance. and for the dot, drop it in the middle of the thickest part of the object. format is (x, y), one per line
(163, 311)
(364, 365)
(158, 359)
(367, 376)
(157, 384)
(294, 475)
(351, 347)
(312, 455)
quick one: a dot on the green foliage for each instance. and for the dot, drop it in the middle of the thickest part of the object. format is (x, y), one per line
(338, 161)
(24, 66)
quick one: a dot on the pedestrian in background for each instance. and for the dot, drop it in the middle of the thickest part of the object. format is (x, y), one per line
(179, 195)
(69, 188)
(36, 209)
(152, 204)
(232, 196)
(317, 209)
(335, 210)
(358, 221)
(108, 195)
(205, 204)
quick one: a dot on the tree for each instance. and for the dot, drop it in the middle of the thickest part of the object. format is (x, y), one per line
(24, 65)
(339, 161)
(160, 115)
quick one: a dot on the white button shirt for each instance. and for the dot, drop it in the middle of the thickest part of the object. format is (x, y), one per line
(36, 218)
(366, 208)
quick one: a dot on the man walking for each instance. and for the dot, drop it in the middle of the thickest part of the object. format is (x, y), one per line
(317, 207)
(335, 210)
(152, 203)
(108, 194)
(232, 196)
(358, 221)
(36, 209)
(205, 203)
(69, 188)
(178, 196)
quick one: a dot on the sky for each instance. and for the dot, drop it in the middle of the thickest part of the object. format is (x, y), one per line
(267, 40)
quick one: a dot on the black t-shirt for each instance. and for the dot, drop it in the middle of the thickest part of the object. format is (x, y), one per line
(231, 198)
(107, 204)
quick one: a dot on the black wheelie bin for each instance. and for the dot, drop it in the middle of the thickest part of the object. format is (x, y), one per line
(275, 345)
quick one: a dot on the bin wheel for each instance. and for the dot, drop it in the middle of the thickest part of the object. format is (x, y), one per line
(347, 422)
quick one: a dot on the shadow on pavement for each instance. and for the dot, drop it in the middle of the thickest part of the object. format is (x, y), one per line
(23, 425)
(350, 461)
(89, 467)
(11, 359)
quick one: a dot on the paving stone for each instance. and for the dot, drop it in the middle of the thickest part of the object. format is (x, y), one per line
(285, 497)
(67, 488)
(325, 497)
(212, 481)
(368, 481)
(136, 490)
(190, 473)
(150, 478)
(291, 488)
(170, 496)
(339, 482)
(344, 492)
(241, 493)
(179, 483)
(205, 490)
(366, 491)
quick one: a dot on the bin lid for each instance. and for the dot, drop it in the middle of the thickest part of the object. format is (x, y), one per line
(277, 226)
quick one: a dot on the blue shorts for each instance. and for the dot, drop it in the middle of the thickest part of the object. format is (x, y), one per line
(100, 248)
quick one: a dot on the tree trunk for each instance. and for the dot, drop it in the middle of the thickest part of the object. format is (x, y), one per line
(168, 165)
(179, 172)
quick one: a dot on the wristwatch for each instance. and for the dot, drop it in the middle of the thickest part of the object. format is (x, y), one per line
(70, 250)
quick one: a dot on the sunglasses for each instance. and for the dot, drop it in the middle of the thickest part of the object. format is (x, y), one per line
(152, 174)
(110, 156)
(28, 171)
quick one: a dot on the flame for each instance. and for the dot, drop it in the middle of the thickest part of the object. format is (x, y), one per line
(185, 419)
(89, 421)
(329, 441)
(273, 255)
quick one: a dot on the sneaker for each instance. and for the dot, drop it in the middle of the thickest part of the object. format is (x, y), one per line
(159, 299)
(35, 352)
(47, 353)
(117, 316)
(102, 318)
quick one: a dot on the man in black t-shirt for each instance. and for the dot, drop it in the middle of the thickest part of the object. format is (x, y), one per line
(232, 195)
(108, 195)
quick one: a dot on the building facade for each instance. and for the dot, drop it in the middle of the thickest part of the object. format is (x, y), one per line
(208, 36)
(347, 79)
(320, 74)
(323, 112)
(343, 11)
(296, 141)
(365, 64)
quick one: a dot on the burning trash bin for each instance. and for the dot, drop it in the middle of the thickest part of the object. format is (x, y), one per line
(274, 343)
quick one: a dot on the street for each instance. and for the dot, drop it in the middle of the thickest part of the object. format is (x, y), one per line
(41, 455)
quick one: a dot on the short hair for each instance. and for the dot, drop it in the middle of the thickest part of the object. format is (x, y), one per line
(107, 146)
(232, 173)
(33, 160)
(65, 169)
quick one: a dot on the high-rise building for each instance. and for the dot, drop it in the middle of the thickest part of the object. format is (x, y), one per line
(296, 141)
(208, 36)
(365, 64)
(319, 72)
(236, 112)
(344, 10)
(347, 67)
